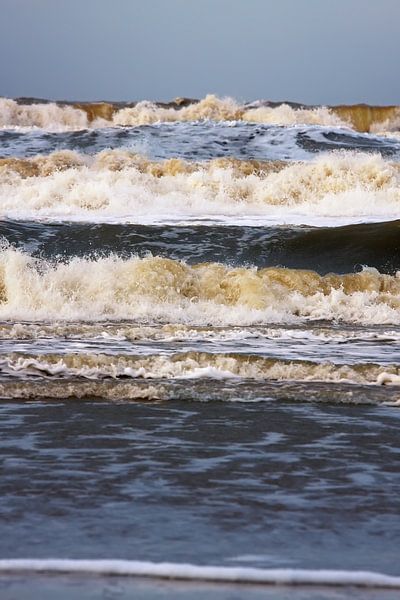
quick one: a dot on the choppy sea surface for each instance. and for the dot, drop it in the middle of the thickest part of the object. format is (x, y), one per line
(199, 350)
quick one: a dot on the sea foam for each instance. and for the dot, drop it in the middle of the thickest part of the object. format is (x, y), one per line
(125, 187)
(156, 289)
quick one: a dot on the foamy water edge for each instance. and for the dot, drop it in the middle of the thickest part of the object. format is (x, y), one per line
(188, 572)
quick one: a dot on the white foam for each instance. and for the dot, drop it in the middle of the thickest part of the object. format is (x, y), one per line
(334, 189)
(56, 117)
(157, 290)
(166, 570)
(49, 116)
(198, 365)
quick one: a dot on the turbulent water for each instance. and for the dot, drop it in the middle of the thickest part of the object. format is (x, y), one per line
(200, 327)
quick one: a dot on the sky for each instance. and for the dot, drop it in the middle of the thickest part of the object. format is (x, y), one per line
(311, 51)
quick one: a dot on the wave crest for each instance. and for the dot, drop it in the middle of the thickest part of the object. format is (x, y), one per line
(78, 115)
(126, 186)
(159, 289)
(195, 365)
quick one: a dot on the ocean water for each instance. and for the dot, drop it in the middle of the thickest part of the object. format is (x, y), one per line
(199, 359)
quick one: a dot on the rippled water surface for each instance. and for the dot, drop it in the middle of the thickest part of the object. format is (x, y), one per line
(201, 141)
(274, 484)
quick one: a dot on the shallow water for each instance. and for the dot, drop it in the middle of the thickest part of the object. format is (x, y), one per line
(285, 484)
(75, 588)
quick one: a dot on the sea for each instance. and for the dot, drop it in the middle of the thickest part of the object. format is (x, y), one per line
(199, 350)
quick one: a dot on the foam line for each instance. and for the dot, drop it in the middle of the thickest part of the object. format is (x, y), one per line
(325, 577)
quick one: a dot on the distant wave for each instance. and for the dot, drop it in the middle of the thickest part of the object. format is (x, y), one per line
(78, 115)
(322, 577)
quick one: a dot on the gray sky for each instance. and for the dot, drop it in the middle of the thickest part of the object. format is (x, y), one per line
(314, 51)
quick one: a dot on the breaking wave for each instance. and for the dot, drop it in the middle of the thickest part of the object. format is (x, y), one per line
(70, 115)
(194, 365)
(213, 108)
(156, 289)
(127, 187)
